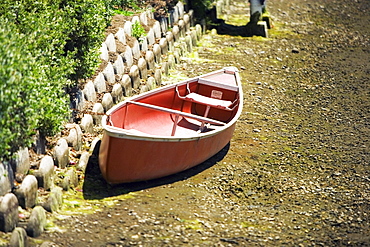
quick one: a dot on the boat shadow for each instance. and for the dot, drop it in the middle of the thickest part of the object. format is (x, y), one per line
(95, 186)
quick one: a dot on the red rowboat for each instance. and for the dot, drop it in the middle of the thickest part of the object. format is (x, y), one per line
(170, 129)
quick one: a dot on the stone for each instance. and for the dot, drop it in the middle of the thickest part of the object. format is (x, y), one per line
(87, 123)
(27, 192)
(151, 37)
(18, 238)
(107, 101)
(144, 44)
(199, 31)
(126, 85)
(171, 61)
(150, 83)
(104, 52)
(143, 18)
(163, 22)
(157, 53)
(175, 14)
(98, 111)
(193, 35)
(134, 75)
(127, 27)
(170, 41)
(157, 30)
(74, 139)
(164, 68)
(8, 212)
(22, 161)
(134, 19)
(55, 200)
(111, 43)
(70, 179)
(89, 91)
(186, 19)
(108, 73)
(6, 178)
(176, 32)
(143, 68)
(181, 10)
(164, 45)
(121, 36)
(136, 49)
(158, 76)
(99, 83)
(143, 89)
(118, 66)
(45, 173)
(84, 160)
(189, 43)
(117, 93)
(181, 26)
(127, 56)
(39, 144)
(149, 57)
(37, 222)
(61, 153)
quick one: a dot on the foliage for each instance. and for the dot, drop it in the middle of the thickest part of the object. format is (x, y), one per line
(45, 47)
(137, 30)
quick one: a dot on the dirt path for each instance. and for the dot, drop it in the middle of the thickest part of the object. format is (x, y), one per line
(296, 172)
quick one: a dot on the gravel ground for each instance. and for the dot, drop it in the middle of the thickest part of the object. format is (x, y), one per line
(296, 172)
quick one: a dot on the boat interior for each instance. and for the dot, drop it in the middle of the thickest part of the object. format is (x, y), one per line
(199, 105)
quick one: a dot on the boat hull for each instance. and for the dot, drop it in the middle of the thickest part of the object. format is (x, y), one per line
(128, 160)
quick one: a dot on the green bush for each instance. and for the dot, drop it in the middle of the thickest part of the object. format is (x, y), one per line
(45, 47)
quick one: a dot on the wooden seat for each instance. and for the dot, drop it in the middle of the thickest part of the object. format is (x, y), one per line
(213, 102)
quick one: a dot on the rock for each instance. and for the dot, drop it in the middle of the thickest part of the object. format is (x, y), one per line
(111, 43)
(77, 100)
(134, 75)
(164, 68)
(176, 32)
(143, 44)
(164, 45)
(171, 61)
(143, 68)
(158, 76)
(94, 147)
(108, 73)
(104, 52)
(151, 37)
(45, 173)
(89, 91)
(143, 89)
(126, 85)
(181, 26)
(87, 123)
(127, 27)
(121, 36)
(117, 93)
(54, 201)
(118, 66)
(189, 43)
(22, 161)
(136, 49)
(107, 101)
(157, 30)
(170, 40)
(18, 238)
(149, 57)
(6, 178)
(74, 138)
(27, 192)
(84, 160)
(157, 53)
(70, 179)
(61, 153)
(36, 222)
(181, 9)
(150, 83)
(127, 56)
(8, 212)
(187, 22)
(98, 111)
(99, 83)
(199, 31)
(143, 18)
